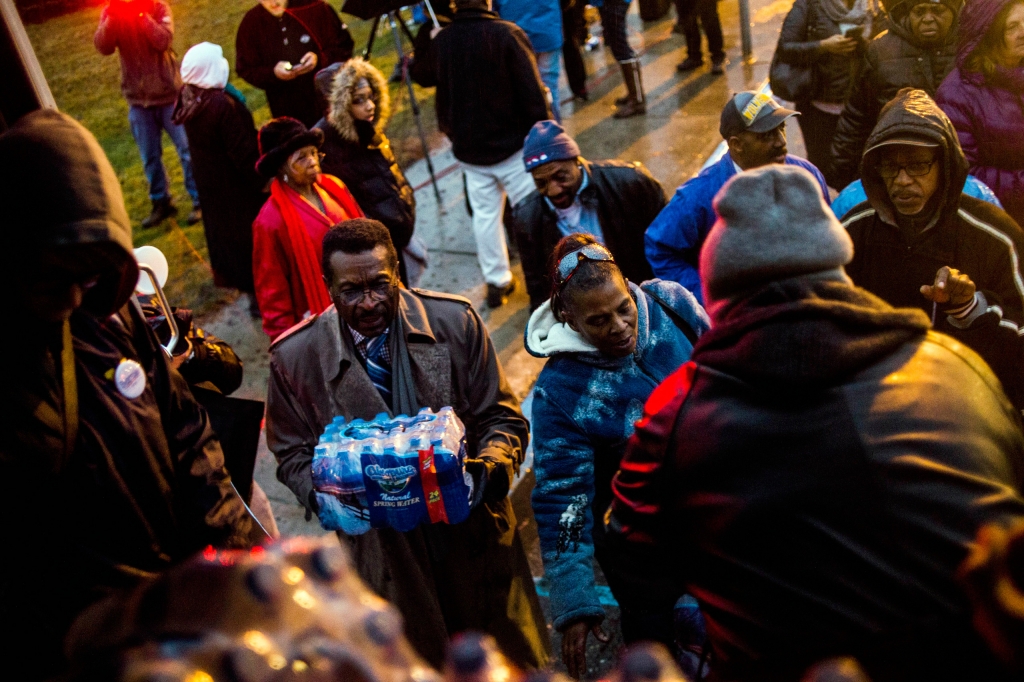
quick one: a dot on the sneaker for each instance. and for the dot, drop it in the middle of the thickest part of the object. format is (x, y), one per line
(195, 216)
(162, 210)
(718, 66)
(497, 296)
(689, 64)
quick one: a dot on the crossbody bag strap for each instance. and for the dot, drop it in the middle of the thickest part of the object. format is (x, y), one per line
(685, 327)
(70, 386)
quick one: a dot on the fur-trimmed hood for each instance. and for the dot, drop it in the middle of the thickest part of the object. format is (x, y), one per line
(341, 97)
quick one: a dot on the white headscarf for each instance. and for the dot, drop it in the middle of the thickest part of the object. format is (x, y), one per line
(204, 66)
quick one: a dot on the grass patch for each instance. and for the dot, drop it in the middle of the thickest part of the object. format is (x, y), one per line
(87, 86)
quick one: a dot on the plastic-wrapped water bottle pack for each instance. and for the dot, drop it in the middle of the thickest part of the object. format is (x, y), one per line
(392, 472)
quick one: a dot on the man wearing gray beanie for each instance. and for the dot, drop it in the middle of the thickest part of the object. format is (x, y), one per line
(612, 200)
(823, 462)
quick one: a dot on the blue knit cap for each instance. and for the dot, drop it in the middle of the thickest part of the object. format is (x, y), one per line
(546, 142)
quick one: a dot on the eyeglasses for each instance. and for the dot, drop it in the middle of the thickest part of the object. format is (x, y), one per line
(888, 171)
(376, 292)
(570, 261)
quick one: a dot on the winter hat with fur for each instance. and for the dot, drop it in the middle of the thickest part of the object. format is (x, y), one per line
(279, 138)
(772, 224)
(342, 88)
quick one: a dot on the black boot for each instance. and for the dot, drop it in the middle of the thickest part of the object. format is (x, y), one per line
(637, 102)
(162, 210)
(497, 296)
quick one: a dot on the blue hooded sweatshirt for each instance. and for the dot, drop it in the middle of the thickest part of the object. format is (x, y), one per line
(584, 409)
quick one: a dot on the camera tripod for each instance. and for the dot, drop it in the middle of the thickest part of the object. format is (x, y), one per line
(394, 20)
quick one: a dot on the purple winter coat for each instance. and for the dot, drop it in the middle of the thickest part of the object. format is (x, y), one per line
(988, 113)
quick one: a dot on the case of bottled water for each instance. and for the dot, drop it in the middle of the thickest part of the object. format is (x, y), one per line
(392, 472)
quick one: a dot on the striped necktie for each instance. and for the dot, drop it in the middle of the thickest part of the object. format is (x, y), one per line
(377, 365)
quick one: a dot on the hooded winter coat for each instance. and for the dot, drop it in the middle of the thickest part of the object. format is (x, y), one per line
(846, 458)
(894, 60)
(965, 233)
(359, 153)
(988, 111)
(100, 486)
(584, 407)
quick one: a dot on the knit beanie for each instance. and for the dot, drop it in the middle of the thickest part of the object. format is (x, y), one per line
(772, 224)
(546, 142)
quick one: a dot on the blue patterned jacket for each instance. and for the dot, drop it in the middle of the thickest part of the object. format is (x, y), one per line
(584, 409)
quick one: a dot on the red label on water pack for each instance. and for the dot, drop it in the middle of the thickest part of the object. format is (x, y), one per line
(431, 491)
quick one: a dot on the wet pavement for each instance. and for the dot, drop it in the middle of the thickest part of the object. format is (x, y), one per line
(674, 139)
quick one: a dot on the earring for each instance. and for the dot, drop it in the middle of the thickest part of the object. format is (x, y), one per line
(286, 177)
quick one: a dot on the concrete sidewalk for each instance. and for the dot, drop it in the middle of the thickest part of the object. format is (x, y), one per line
(675, 137)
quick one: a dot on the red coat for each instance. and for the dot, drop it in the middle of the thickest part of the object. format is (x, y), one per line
(279, 290)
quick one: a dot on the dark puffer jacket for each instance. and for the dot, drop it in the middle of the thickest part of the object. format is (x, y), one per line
(988, 112)
(627, 199)
(965, 233)
(845, 460)
(359, 153)
(805, 27)
(894, 60)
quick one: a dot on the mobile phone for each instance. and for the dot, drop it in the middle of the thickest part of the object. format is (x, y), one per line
(855, 32)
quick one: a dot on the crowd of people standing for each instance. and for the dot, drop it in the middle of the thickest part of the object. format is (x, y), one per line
(806, 421)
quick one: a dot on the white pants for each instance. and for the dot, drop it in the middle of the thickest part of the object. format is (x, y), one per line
(486, 187)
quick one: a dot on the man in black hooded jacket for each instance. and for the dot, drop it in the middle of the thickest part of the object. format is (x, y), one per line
(917, 51)
(920, 242)
(109, 470)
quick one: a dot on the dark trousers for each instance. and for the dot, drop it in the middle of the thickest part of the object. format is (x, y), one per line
(613, 22)
(818, 128)
(574, 32)
(646, 603)
(687, 14)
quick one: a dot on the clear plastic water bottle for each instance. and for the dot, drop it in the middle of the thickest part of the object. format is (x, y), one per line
(449, 477)
(348, 503)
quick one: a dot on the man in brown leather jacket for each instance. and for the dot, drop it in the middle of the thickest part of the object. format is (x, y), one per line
(382, 348)
(818, 471)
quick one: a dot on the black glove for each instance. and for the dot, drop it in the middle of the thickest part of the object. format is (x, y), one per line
(491, 478)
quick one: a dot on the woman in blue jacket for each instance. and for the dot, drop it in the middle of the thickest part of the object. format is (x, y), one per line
(609, 344)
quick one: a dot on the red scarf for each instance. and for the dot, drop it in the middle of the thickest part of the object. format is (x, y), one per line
(304, 250)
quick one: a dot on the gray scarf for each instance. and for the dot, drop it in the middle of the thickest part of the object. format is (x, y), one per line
(403, 384)
(839, 13)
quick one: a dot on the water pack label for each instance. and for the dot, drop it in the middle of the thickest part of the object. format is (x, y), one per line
(394, 491)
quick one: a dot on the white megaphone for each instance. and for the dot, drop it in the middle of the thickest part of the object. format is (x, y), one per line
(153, 271)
